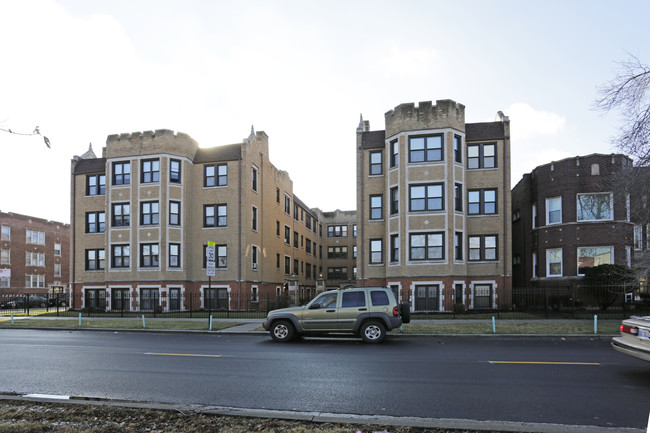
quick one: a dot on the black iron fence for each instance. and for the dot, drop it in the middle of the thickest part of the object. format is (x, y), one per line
(570, 302)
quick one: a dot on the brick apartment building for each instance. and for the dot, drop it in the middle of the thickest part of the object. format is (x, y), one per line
(34, 255)
(569, 215)
(433, 203)
(144, 212)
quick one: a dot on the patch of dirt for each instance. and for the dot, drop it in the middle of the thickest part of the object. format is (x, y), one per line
(36, 417)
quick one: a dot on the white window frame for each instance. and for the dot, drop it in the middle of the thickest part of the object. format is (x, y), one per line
(638, 237)
(596, 263)
(6, 233)
(611, 206)
(57, 249)
(552, 202)
(550, 252)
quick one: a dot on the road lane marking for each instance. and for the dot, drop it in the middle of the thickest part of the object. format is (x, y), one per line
(184, 354)
(544, 363)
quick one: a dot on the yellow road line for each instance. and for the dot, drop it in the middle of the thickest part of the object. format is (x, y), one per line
(544, 363)
(183, 354)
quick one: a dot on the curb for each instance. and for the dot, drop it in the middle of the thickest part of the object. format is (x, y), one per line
(324, 417)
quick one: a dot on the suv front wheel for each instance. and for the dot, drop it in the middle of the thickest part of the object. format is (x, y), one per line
(282, 331)
(373, 332)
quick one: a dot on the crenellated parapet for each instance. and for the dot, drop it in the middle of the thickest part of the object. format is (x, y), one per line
(149, 143)
(408, 117)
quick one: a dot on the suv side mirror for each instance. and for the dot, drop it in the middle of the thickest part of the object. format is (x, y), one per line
(314, 306)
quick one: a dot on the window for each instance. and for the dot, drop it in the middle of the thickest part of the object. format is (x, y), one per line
(215, 215)
(376, 165)
(287, 265)
(220, 252)
(355, 298)
(174, 213)
(458, 246)
(426, 197)
(149, 299)
(394, 153)
(425, 148)
(121, 173)
(295, 266)
(149, 213)
(376, 207)
(337, 252)
(96, 184)
(593, 256)
(308, 246)
(120, 256)
(57, 249)
(149, 255)
(458, 197)
(533, 212)
(337, 273)
(554, 262)
(174, 255)
(95, 260)
(483, 296)
(287, 205)
(296, 240)
(308, 222)
(337, 231)
(394, 248)
(277, 195)
(150, 171)
(482, 202)
(394, 200)
(594, 207)
(254, 218)
(174, 171)
(287, 235)
(57, 270)
(35, 237)
(426, 246)
(376, 251)
(553, 210)
(121, 214)
(534, 262)
(34, 259)
(481, 156)
(458, 149)
(95, 222)
(6, 233)
(483, 247)
(255, 294)
(34, 281)
(5, 257)
(379, 298)
(354, 230)
(254, 178)
(254, 256)
(638, 237)
(277, 261)
(215, 175)
(458, 294)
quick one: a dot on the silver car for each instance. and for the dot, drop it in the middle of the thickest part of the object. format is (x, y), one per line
(635, 338)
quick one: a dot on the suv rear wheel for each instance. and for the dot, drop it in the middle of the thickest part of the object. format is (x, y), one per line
(282, 331)
(373, 332)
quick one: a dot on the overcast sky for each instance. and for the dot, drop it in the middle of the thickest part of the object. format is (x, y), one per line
(301, 71)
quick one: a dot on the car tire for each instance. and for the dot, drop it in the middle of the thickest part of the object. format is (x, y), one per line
(373, 332)
(42, 304)
(405, 312)
(282, 331)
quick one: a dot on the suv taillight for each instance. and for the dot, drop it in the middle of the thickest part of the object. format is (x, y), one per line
(396, 311)
(630, 329)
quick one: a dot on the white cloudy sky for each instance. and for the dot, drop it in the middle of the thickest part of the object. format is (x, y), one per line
(303, 72)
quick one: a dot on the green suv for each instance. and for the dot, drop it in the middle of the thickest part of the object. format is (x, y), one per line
(365, 311)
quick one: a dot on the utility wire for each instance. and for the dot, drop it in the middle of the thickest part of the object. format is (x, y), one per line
(35, 132)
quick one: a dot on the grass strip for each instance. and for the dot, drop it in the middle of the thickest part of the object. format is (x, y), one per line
(174, 325)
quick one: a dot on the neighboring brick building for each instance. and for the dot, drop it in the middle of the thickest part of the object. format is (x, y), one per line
(339, 247)
(36, 252)
(433, 203)
(569, 215)
(144, 212)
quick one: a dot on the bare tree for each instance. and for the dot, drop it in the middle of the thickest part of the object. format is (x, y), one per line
(35, 132)
(629, 94)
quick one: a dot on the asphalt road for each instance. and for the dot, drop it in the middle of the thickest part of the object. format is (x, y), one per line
(532, 380)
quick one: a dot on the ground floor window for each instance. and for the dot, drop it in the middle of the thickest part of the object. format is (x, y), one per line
(216, 299)
(483, 296)
(174, 299)
(95, 299)
(120, 299)
(427, 298)
(149, 299)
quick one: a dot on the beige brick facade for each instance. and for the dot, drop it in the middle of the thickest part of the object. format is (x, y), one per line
(431, 224)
